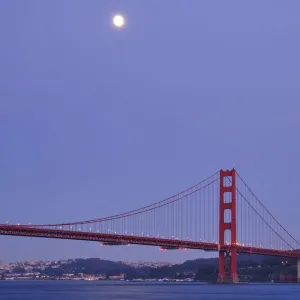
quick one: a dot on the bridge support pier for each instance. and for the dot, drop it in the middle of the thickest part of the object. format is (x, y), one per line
(227, 259)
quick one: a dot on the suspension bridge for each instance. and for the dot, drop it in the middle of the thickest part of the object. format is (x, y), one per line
(220, 213)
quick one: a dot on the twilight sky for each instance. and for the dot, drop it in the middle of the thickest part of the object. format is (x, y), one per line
(96, 121)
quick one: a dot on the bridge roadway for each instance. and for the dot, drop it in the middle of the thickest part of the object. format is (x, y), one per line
(19, 230)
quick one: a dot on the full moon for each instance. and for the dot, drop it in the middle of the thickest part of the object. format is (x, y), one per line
(118, 21)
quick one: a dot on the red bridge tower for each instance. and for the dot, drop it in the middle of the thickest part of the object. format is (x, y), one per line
(227, 259)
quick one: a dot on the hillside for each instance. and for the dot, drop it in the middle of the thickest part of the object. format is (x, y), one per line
(250, 268)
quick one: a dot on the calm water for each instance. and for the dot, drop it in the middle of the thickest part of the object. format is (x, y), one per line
(18, 290)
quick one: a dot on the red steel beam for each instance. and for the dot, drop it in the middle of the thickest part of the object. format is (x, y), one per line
(15, 230)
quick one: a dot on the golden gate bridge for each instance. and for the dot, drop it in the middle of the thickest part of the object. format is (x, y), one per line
(220, 213)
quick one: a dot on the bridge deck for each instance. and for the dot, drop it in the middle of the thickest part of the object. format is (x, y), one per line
(15, 230)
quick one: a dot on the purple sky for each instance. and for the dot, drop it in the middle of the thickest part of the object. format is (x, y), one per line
(95, 121)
